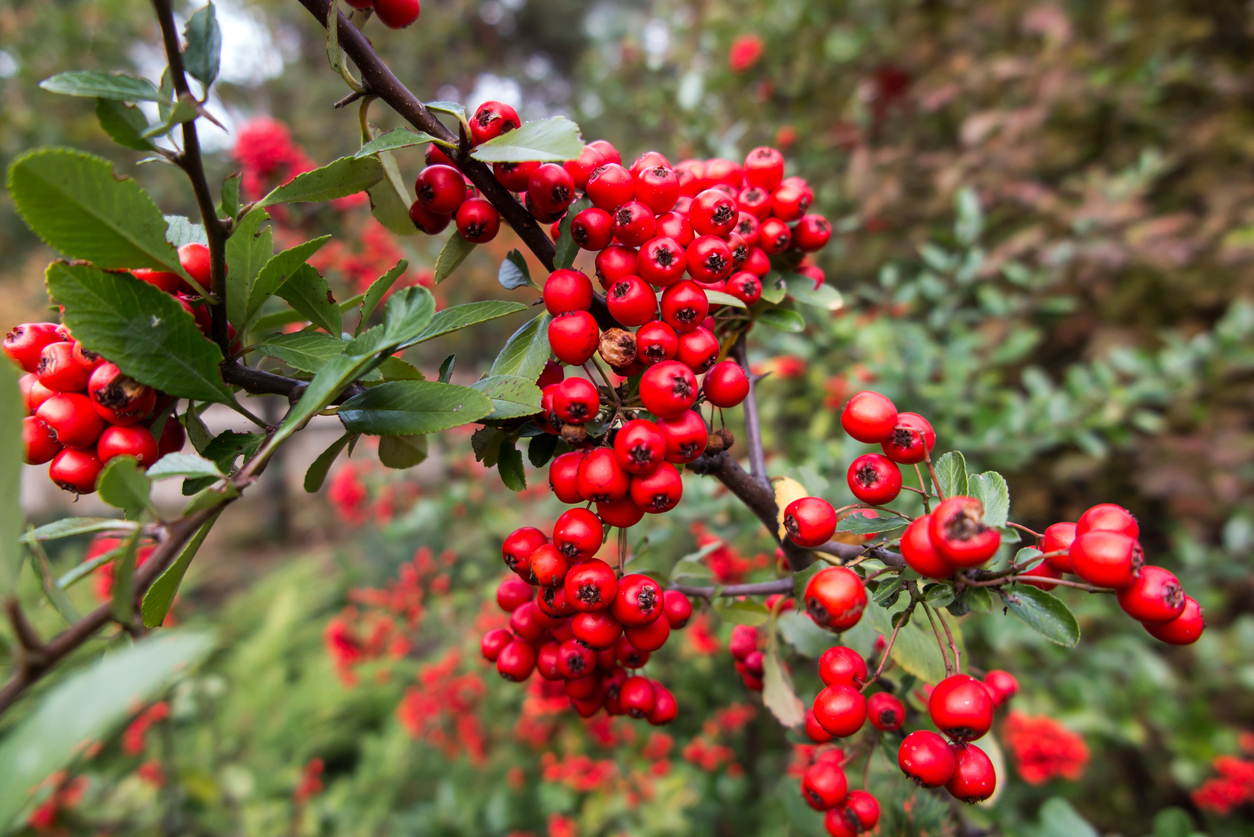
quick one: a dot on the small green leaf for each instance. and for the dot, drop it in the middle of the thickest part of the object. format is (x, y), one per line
(396, 138)
(978, 599)
(783, 319)
(446, 369)
(102, 86)
(390, 197)
(12, 457)
(951, 470)
(512, 396)
(462, 316)
(799, 631)
(317, 473)
(160, 596)
(180, 230)
(991, 489)
(377, 290)
(54, 594)
(70, 527)
(407, 408)
(185, 110)
(860, 524)
(548, 140)
(486, 442)
(719, 298)
(276, 272)
(78, 573)
(745, 612)
(773, 288)
(123, 485)
(338, 179)
(204, 46)
(308, 292)
(510, 466)
(247, 250)
(307, 351)
(514, 272)
(395, 369)
(801, 288)
(122, 599)
(693, 564)
(125, 124)
(526, 351)
(402, 452)
(454, 252)
(566, 248)
(454, 108)
(230, 195)
(183, 465)
(802, 578)
(1044, 613)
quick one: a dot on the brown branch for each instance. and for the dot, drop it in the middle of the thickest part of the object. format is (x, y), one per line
(753, 424)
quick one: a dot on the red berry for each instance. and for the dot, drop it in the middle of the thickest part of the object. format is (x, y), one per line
(920, 554)
(549, 566)
(686, 437)
(1001, 686)
(659, 491)
(1058, 538)
(675, 226)
(662, 261)
(774, 237)
(926, 758)
(677, 607)
(709, 259)
(492, 643)
(513, 176)
(911, 440)
(492, 119)
(574, 337)
(647, 160)
(841, 710)
(72, 418)
(684, 306)
(576, 401)
(758, 263)
(397, 14)
(869, 417)
(601, 478)
(961, 707)
(1155, 597)
(756, 202)
(629, 655)
(582, 688)
(640, 446)
(875, 479)
(1185, 629)
(789, 203)
(38, 441)
(810, 521)
(814, 730)
(431, 223)
(518, 547)
(33, 392)
(24, 343)
(512, 593)
(636, 697)
(551, 189)
(764, 168)
(713, 213)
(194, 258)
(580, 168)
(478, 221)
(578, 535)
(117, 398)
(633, 223)
(575, 659)
(547, 658)
(649, 637)
(133, 440)
(744, 641)
(1106, 559)
(621, 512)
(886, 712)
(173, 437)
(974, 778)
(590, 585)
(958, 532)
(592, 229)
(631, 301)
(76, 470)
(748, 227)
(656, 342)
(525, 621)
(638, 601)
(441, 189)
(1108, 517)
(598, 628)
(726, 384)
(823, 786)
(835, 598)
(657, 187)
(610, 186)
(564, 475)
(811, 233)
(616, 262)
(698, 349)
(839, 664)
(725, 172)
(607, 151)
(745, 287)
(664, 706)
(515, 661)
(668, 389)
(58, 370)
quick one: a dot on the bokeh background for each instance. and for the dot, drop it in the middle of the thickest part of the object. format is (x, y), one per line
(1045, 218)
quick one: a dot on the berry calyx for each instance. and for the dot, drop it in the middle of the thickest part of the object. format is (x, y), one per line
(958, 532)
(874, 479)
(638, 601)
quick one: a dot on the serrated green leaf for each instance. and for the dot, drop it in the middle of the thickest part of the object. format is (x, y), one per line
(462, 316)
(183, 465)
(566, 248)
(70, 527)
(402, 452)
(512, 397)
(801, 288)
(86, 706)
(407, 408)
(390, 198)
(395, 369)
(510, 466)
(991, 489)
(548, 140)
(102, 86)
(123, 485)
(12, 457)
(526, 351)
(783, 319)
(230, 195)
(204, 45)
(859, 524)
(338, 179)
(180, 230)
(317, 473)
(125, 124)
(77, 204)
(185, 109)
(377, 290)
(307, 351)
(514, 272)
(800, 631)
(745, 612)
(308, 292)
(951, 470)
(396, 138)
(140, 328)
(276, 272)
(1044, 613)
(160, 596)
(454, 252)
(247, 250)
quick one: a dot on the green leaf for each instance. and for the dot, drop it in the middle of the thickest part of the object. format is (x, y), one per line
(308, 292)
(402, 452)
(547, 140)
(405, 317)
(541, 449)
(180, 230)
(204, 46)
(317, 473)
(140, 328)
(1172, 822)
(53, 593)
(693, 564)
(462, 316)
(719, 298)
(81, 571)
(860, 524)
(514, 272)
(978, 599)
(230, 195)
(160, 596)
(185, 110)
(801, 579)
(782, 319)
(390, 197)
(526, 351)
(276, 272)
(1044, 613)
(86, 707)
(183, 465)
(799, 631)
(396, 138)
(745, 612)
(486, 443)
(446, 369)
(122, 600)
(307, 351)
(1059, 819)
(395, 369)
(12, 456)
(565, 248)
(801, 288)
(915, 648)
(454, 252)
(123, 485)
(512, 396)
(70, 527)
(338, 179)
(991, 489)
(951, 470)
(102, 86)
(125, 124)
(378, 288)
(407, 408)
(454, 108)
(247, 250)
(773, 288)
(777, 691)
(510, 466)
(77, 204)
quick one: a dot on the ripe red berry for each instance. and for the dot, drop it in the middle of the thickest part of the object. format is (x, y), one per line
(811, 233)
(39, 443)
(132, 440)
(662, 261)
(1106, 559)
(601, 478)
(911, 440)
(1058, 538)
(886, 712)
(686, 437)
(648, 637)
(397, 14)
(24, 343)
(668, 389)
(616, 262)
(492, 119)
(621, 512)
(547, 661)
(76, 470)
(638, 601)
(823, 786)
(478, 221)
(173, 437)
(1042, 576)
(656, 342)
(810, 521)
(549, 566)
(974, 778)
(515, 661)
(525, 621)
(551, 189)
(758, 263)
(1001, 686)
(590, 585)
(698, 349)
(875, 479)
(58, 370)
(713, 212)
(72, 418)
(592, 229)
(33, 392)
(659, 491)
(631, 301)
(574, 659)
(513, 176)
(194, 258)
(665, 707)
(582, 688)
(926, 758)
(1185, 629)
(512, 593)
(684, 306)
(657, 187)
(961, 707)
(863, 808)
(431, 223)
(837, 825)
(564, 475)
(920, 554)
(633, 223)
(839, 664)
(576, 401)
(574, 337)
(629, 655)
(598, 629)
(1108, 517)
(745, 287)
(640, 446)
(958, 532)
(748, 228)
(636, 697)
(869, 417)
(518, 546)
(440, 189)
(764, 168)
(726, 384)
(675, 226)
(709, 259)
(677, 607)
(578, 534)
(814, 730)
(1155, 597)
(774, 237)
(756, 202)
(610, 186)
(841, 710)
(117, 398)
(492, 643)
(789, 203)
(835, 598)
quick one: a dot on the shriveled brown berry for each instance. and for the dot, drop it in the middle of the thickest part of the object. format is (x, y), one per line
(618, 347)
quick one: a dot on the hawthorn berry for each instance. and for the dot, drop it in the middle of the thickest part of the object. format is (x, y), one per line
(575, 659)
(512, 593)
(75, 469)
(580, 168)
(574, 337)
(747, 227)
(764, 168)
(441, 189)
(597, 628)
(636, 696)
(885, 712)
(745, 287)
(657, 187)
(638, 601)
(513, 176)
(601, 478)
(675, 226)
(974, 778)
(662, 261)
(610, 186)
(841, 710)
(547, 661)
(33, 392)
(1185, 629)
(684, 306)
(477, 221)
(633, 223)
(592, 229)
(518, 547)
(835, 598)
(758, 263)
(677, 607)
(71, 416)
(622, 512)
(563, 477)
(492, 119)
(130, 440)
(668, 389)
(640, 446)
(39, 443)
(1042, 576)
(617, 347)
(607, 151)
(926, 758)
(576, 401)
(551, 189)
(631, 301)
(686, 437)
(869, 417)
(515, 661)
(1155, 597)
(811, 233)
(911, 441)
(578, 534)
(1106, 558)
(726, 384)
(814, 730)
(839, 664)
(836, 825)
(173, 437)
(648, 637)
(431, 223)
(493, 642)
(117, 398)
(824, 786)
(961, 708)
(774, 237)
(1058, 538)
(863, 807)
(789, 203)
(920, 554)
(709, 259)
(549, 565)
(698, 349)
(665, 708)
(713, 213)
(810, 521)
(629, 655)
(656, 342)
(552, 602)
(24, 343)
(1001, 686)
(658, 491)
(875, 479)
(958, 532)
(59, 370)
(1108, 517)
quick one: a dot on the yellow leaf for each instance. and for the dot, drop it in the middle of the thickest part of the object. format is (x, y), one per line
(786, 490)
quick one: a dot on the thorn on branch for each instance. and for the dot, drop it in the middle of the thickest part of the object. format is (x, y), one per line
(352, 97)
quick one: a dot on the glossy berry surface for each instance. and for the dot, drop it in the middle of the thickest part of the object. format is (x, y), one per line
(841, 710)
(961, 708)
(835, 598)
(874, 479)
(926, 758)
(869, 417)
(810, 521)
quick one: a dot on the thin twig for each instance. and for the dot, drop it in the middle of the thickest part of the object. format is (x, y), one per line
(905, 616)
(927, 506)
(949, 669)
(1021, 528)
(753, 424)
(953, 646)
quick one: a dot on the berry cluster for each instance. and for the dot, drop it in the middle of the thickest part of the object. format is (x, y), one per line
(746, 646)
